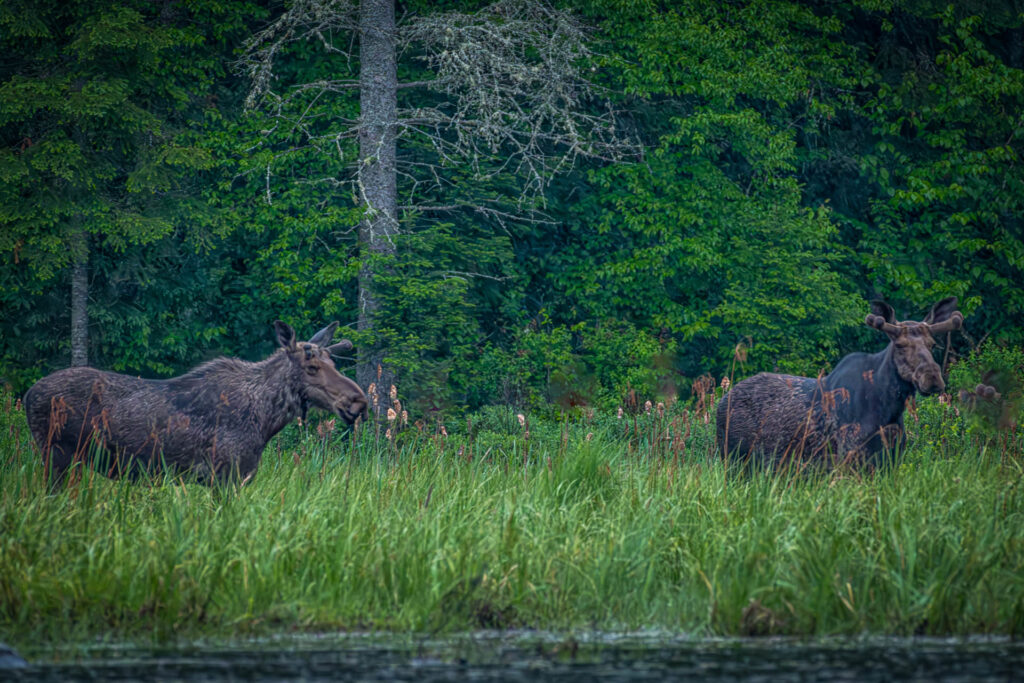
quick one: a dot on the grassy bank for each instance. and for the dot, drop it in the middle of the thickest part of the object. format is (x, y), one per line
(599, 523)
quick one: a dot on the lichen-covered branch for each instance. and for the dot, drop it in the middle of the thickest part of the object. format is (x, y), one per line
(510, 94)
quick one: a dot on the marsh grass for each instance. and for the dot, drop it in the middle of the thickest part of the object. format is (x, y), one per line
(595, 522)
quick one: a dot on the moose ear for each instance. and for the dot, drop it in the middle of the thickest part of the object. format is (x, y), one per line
(883, 311)
(340, 347)
(285, 334)
(325, 335)
(941, 311)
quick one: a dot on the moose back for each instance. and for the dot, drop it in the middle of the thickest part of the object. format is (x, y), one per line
(213, 421)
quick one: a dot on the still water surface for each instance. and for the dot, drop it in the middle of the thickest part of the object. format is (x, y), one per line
(537, 657)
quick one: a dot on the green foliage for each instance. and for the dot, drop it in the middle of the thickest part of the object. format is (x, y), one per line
(1000, 367)
(97, 100)
(947, 143)
(710, 239)
(801, 159)
(521, 375)
(625, 359)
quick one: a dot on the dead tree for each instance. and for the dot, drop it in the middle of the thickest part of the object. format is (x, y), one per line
(508, 92)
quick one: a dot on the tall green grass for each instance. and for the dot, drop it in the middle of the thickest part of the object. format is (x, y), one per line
(599, 523)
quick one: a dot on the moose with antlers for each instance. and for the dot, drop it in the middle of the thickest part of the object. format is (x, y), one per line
(851, 414)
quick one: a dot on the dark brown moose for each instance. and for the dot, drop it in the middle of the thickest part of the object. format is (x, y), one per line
(851, 414)
(213, 421)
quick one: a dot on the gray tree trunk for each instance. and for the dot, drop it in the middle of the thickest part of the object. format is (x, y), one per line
(378, 102)
(80, 300)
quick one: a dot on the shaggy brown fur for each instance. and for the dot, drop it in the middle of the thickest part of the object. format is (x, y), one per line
(213, 421)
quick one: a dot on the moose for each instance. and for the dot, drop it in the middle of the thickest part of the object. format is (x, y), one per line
(212, 422)
(851, 414)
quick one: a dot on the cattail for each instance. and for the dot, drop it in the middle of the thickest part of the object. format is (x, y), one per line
(405, 417)
(661, 408)
(648, 406)
(393, 393)
(725, 383)
(620, 412)
(387, 434)
(522, 419)
(444, 432)
(325, 428)
(911, 407)
(392, 414)
(590, 435)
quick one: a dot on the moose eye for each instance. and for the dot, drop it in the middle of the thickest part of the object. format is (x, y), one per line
(312, 370)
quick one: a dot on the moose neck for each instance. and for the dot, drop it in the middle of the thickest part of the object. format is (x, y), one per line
(877, 394)
(279, 398)
(890, 391)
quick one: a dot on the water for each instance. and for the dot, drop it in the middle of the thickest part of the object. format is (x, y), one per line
(538, 657)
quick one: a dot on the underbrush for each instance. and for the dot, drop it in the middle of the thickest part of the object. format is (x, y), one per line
(498, 521)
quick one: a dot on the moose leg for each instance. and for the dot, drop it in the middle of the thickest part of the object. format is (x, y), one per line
(241, 466)
(231, 460)
(884, 444)
(56, 465)
(61, 457)
(892, 437)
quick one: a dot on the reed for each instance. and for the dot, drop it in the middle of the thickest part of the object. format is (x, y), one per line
(596, 522)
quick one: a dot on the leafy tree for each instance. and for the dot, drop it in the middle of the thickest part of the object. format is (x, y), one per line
(711, 239)
(490, 101)
(800, 157)
(94, 98)
(944, 178)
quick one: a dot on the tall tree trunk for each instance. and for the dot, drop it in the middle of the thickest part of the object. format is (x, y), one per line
(80, 300)
(1016, 44)
(378, 101)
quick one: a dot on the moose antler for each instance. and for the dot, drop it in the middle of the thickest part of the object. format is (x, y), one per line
(954, 322)
(343, 345)
(878, 322)
(984, 392)
(987, 391)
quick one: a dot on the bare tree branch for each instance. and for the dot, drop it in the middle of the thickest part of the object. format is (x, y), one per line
(512, 79)
(322, 20)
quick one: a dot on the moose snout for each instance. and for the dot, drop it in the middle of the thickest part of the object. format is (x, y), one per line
(929, 383)
(351, 410)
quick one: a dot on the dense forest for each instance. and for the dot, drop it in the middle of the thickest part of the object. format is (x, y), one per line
(589, 198)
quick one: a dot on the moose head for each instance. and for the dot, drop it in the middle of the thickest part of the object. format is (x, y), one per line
(913, 341)
(313, 370)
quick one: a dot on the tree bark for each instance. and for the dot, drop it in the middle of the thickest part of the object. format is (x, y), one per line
(1016, 48)
(80, 300)
(378, 101)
